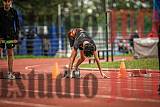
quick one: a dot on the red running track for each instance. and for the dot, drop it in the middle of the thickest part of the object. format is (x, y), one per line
(42, 91)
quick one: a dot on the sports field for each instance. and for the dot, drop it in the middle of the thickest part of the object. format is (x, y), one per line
(113, 44)
(37, 88)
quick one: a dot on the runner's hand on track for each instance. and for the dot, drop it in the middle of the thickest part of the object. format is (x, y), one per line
(104, 76)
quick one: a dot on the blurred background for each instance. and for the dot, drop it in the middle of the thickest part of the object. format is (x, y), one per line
(113, 24)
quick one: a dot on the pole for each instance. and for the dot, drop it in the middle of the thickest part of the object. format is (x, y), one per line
(159, 45)
(112, 41)
(106, 26)
(59, 29)
(159, 54)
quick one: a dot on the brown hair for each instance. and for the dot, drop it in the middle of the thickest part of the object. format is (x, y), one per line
(72, 32)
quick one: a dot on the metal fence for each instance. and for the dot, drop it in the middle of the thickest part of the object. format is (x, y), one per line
(33, 42)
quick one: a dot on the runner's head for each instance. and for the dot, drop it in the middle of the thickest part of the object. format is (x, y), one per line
(7, 4)
(88, 49)
(72, 32)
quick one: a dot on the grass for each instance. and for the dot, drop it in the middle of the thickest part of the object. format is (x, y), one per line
(31, 56)
(55, 56)
(148, 63)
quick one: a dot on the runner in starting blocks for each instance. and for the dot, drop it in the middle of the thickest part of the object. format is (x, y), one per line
(74, 73)
(8, 75)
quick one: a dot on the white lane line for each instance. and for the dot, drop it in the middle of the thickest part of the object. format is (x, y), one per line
(129, 99)
(102, 96)
(134, 79)
(117, 69)
(99, 80)
(99, 87)
(97, 70)
(25, 104)
(31, 67)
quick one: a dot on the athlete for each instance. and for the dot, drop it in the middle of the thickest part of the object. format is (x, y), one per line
(9, 30)
(79, 39)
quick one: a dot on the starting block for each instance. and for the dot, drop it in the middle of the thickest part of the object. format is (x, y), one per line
(4, 75)
(140, 73)
(75, 73)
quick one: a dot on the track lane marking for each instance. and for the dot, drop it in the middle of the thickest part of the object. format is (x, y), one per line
(104, 96)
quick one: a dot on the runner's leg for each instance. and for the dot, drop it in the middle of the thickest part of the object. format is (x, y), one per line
(80, 60)
(10, 59)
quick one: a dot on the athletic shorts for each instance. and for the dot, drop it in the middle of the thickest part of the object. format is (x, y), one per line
(7, 38)
(7, 46)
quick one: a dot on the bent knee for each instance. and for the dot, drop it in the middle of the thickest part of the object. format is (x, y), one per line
(83, 58)
(10, 53)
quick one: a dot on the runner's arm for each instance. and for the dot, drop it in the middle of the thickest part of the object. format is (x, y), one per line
(98, 64)
(72, 58)
(17, 25)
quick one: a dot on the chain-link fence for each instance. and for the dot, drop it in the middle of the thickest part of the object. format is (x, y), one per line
(123, 27)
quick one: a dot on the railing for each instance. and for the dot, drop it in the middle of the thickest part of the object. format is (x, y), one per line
(39, 46)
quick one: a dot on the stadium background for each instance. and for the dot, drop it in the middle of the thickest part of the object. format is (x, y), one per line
(44, 24)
